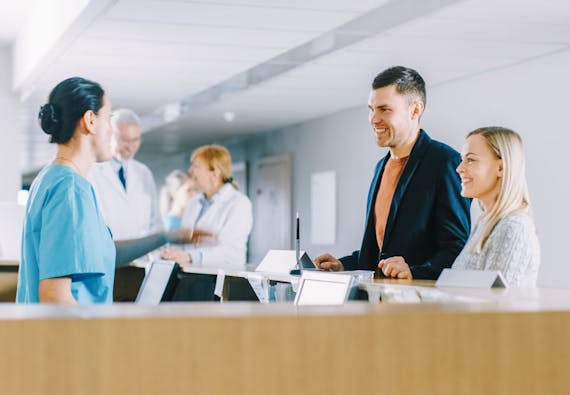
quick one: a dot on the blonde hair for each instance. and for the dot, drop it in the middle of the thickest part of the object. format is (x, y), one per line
(216, 157)
(172, 182)
(513, 191)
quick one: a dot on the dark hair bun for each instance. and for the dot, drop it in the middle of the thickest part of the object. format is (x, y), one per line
(66, 105)
(49, 118)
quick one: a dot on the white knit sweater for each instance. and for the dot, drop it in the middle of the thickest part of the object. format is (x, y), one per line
(512, 248)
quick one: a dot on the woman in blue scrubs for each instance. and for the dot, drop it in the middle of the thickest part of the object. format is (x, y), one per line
(68, 255)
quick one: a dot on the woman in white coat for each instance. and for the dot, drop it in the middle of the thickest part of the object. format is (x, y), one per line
(220, 209)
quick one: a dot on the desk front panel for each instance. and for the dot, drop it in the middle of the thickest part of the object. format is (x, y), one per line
(247, 348)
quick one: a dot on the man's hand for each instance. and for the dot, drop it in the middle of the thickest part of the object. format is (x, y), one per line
(328, 262)
(395, 267)
(175, 254)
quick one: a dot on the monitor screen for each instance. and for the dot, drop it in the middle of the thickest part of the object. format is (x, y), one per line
(318, 288)
(158, 283)
(307, 263)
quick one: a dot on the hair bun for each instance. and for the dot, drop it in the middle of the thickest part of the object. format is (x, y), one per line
(49, 120)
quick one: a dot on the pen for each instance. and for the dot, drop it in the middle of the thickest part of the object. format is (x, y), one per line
(297, 242)
(378, 272)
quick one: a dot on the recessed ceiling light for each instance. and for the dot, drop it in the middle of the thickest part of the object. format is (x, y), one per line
(171, 111)
(229, 116)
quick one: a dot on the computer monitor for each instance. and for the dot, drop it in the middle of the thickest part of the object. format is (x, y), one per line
(306, 263)
(159, 283)
(320, 288)
(11, 223)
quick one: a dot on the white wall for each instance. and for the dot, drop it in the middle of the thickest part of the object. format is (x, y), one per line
(10, 132)
(531, 98)
(162, 166)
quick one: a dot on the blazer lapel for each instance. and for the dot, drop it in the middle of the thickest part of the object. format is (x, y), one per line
(368, 255)
(407, 174)
(374, 190)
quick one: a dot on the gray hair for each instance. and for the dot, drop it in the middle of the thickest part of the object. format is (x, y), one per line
(124, 116)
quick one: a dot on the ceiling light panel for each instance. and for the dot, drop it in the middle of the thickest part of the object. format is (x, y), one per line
(243, 15)
(331, 5)
(508, 12)
(192, 34)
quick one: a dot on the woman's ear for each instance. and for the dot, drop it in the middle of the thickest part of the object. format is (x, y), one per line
(217, 173)
(500, 169)
(88, 122)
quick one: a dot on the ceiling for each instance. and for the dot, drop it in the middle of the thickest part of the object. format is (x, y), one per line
(12, 18)
(183, 64)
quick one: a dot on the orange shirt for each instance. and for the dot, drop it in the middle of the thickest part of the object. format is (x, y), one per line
(390, 176)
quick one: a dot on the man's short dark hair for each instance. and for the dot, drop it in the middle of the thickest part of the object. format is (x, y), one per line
(407, 81)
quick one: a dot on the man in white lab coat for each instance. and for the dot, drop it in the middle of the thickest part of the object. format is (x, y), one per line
(125, 188)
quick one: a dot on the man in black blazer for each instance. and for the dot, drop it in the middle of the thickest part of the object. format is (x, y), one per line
(420, 222)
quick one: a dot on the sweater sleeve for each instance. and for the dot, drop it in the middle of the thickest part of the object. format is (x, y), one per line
(513, 248)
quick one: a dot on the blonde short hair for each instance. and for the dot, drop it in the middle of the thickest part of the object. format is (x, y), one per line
(172, 182)
(216, 157)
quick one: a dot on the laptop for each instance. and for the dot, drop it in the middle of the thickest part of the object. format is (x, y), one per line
(159, 283)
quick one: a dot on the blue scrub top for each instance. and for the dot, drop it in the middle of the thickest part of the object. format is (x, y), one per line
(65, 235)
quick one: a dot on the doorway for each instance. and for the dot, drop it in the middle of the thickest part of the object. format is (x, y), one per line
(271, 207)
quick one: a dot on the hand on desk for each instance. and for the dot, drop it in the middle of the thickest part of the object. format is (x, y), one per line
(185, 236)
(328, 262)
(175, 254)
(395, 267)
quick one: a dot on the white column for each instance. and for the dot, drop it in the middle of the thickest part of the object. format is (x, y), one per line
(10, 132)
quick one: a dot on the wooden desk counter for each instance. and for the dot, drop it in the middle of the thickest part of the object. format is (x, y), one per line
(509, 344)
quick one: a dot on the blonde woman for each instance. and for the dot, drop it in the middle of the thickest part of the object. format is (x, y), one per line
(492, 171)
(175, 194)
(220, 209)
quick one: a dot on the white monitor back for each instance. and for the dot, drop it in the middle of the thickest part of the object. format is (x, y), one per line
(278, 261)
(155, 283)
(11, 225)
(464, 278)
(320, 288)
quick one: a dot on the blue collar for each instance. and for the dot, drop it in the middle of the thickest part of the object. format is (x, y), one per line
(223, 191)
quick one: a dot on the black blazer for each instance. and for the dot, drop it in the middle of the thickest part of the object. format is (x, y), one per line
(428, 223)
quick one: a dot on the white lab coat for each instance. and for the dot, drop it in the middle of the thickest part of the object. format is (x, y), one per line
(230, 218)
(132, 213)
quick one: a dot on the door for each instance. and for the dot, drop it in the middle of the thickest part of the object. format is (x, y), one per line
(271, 207)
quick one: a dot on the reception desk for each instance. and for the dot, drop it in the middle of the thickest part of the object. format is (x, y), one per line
(510, 342)
(8, 280)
